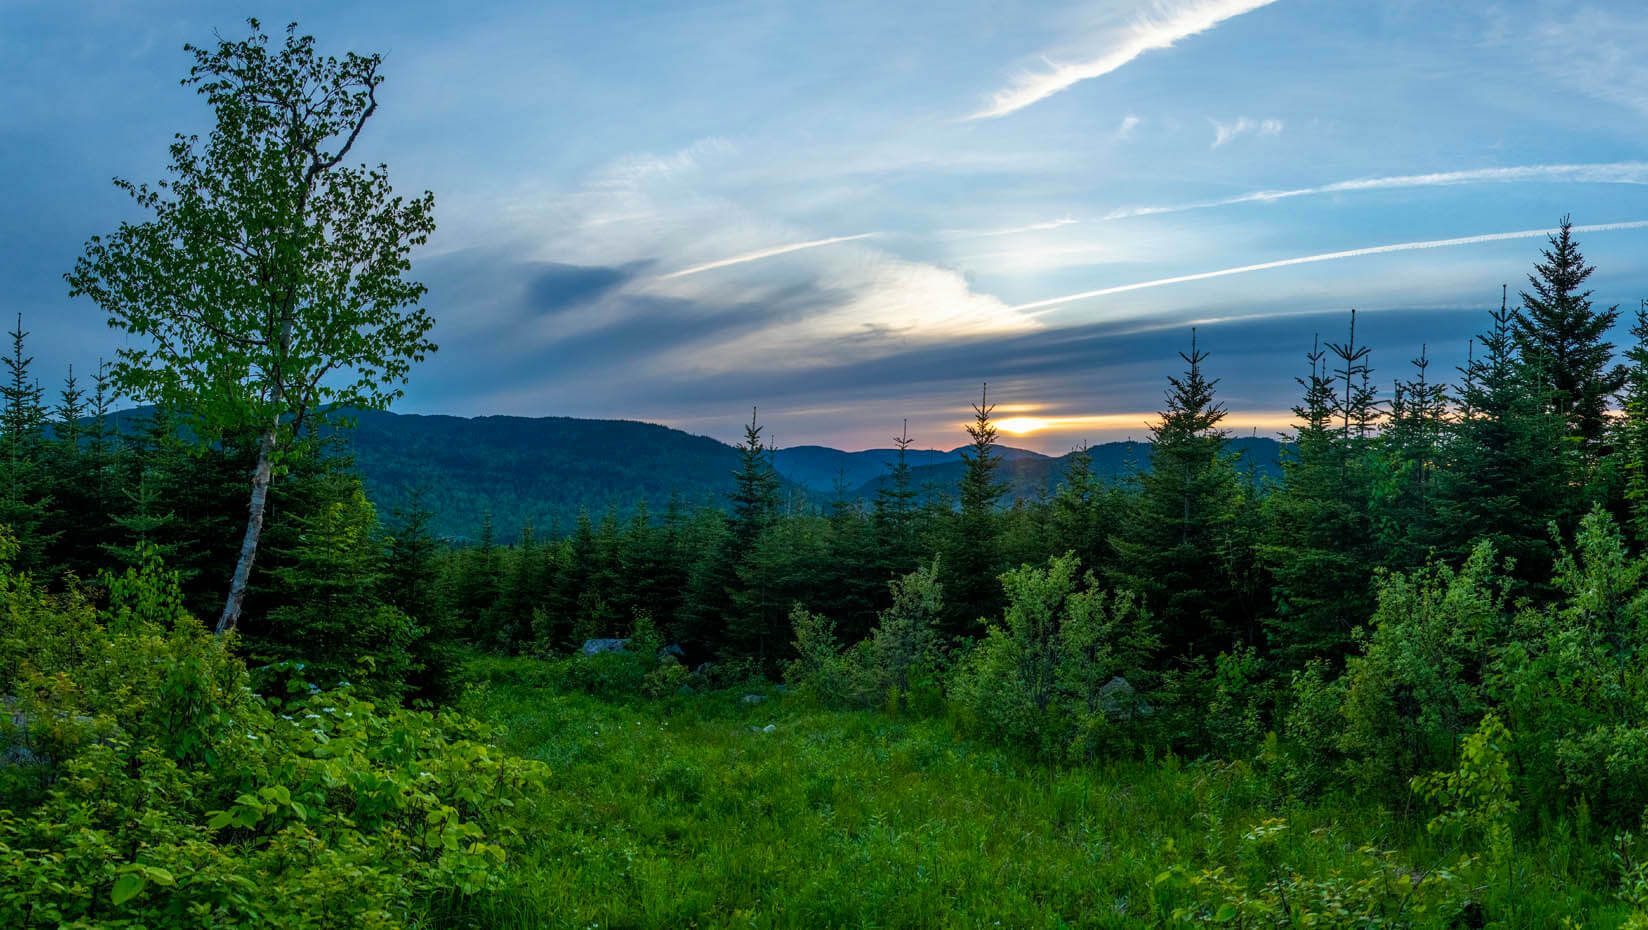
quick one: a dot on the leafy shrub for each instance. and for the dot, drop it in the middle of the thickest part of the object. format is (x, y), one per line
(1415, 689)
(898, 667)
(1275, 892)
(176, 797)
(1045, 677)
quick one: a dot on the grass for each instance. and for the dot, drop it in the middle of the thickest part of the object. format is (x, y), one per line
(690, 813)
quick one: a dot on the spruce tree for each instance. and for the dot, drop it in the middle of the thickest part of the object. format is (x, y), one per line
(26, 505)
(1172, 542)
(1319, 545)
(971, 559)
(1630, 447)
(1505, 473)
(896, 510)
(1082, 514)
(710, 620)
(411, 555)
(1405, 494)
(1561, 340)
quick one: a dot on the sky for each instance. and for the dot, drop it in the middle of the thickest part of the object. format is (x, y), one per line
(856, 213)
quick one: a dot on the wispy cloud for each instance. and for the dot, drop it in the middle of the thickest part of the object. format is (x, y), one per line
(1224, 132)
(762, 253)
(1130, 122)
(1042, 305)
(1006, 231)
(1171, 22)
(1625, 172)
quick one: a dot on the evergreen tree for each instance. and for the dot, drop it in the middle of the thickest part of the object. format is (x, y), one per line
(1560, 338)
(1172, 543)
(972, 557)
(329, 616)
(709, 609)
(1630, 447)
(895, 511)
(74, 485)
(1505, 460)
(25, 483)
(411, 560)
(1319, 545)
(1082, 515)
(473, 593)
(1404, 505)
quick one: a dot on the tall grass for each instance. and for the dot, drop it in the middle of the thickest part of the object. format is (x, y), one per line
(690, 813)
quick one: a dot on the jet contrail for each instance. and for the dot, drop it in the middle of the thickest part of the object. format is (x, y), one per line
(764, 253)
(1623, 172)
(1325, 257)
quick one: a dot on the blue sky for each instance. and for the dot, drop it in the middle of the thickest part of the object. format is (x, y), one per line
(853, 213)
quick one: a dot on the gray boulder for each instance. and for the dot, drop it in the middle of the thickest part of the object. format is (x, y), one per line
(594, 647)
(754, 698)
(672, 651)
(1119, 699)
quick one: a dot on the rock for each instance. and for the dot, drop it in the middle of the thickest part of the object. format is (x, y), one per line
(704, 668)
(685, 690)
(594, 647)
(782, 689)
(769, 728)
(1118, 698)
(672, 651)
(754, 698)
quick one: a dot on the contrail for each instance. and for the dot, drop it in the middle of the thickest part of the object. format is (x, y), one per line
(1624, 172)
(764, 253)
(1324, 257)
(1171, 23)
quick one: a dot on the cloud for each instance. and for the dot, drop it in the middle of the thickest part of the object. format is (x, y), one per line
(1595, 51)
(1625, 172)
(1324, 257)
(1171, 22)
(558, 287)
(1130, 122)
(763, 253)
(1224, 132)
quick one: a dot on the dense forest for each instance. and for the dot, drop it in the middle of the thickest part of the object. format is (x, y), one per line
(1397, 680)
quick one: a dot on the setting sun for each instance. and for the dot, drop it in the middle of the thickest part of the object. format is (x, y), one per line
(1018, 426)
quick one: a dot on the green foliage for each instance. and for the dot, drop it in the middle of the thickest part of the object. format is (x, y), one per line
(330, 620)
(1173, 540)
(1378, 891)
(1050, 676)
(170, 795)
(1415, 688)
(266, 289)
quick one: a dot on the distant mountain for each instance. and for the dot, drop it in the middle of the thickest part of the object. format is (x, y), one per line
(1031, 473)
(544, 470)
(816, 468)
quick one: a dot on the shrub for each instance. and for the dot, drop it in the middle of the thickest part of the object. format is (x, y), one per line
(1045, 677)
(173, 796)
(1416, 687)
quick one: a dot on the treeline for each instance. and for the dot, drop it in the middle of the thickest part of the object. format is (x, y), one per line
(1222, 558)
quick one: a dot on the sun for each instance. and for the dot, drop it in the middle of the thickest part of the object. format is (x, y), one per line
(1018, 426)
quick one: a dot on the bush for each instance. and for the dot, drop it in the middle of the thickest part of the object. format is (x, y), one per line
(898, 667)
(1045, 677)
(1416, 688)
(173, 796)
